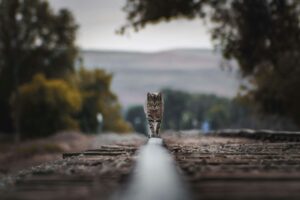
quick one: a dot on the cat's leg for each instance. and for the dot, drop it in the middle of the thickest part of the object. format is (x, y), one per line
(151, 126)
(157, 128)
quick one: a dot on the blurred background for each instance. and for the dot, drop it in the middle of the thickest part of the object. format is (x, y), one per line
(86, 66)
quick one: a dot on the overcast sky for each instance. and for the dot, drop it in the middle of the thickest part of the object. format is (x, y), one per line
(99, 19)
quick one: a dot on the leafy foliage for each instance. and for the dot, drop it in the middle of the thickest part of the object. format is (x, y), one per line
(33, 39)
(191, 110)
(47, 106)
(263, 36)
(98, 98)
(188, 111)
(136, 116)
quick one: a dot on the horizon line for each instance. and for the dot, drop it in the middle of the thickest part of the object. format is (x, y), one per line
(145, 51)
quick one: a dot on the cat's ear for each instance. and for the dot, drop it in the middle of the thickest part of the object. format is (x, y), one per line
(148, 95)
(159, 96)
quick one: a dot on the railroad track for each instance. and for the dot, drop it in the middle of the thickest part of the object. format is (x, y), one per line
(227, 164)
(154, 176)
(92, 174)
(265, 135)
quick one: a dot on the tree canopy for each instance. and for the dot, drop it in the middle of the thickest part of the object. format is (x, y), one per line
(33, 39)
(263, 36)
(41, 92)
(136, 116)
(183, 111)
(46, 106)
(95, 87)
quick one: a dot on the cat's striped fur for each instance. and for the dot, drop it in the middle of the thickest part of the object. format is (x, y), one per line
(154, 112)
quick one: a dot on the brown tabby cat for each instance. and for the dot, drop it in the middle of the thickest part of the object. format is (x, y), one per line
(154, 112)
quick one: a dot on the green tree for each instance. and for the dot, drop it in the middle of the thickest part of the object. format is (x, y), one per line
(191, 110)
(219, 115)
(95, 87)
(174, 106)
(261, 35)
(136, 116)
(33, 39)
(47, 106)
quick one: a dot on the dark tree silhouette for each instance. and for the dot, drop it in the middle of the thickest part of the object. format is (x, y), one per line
(136, 116)
(263, 36)
(33, 39)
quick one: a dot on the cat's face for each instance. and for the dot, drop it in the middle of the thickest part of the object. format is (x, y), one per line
(154, 97)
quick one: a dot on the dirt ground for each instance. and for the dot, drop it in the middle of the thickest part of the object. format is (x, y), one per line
(14, 157)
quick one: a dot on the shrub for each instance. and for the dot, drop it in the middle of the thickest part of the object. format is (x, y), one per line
(97, 97)
(46, 106)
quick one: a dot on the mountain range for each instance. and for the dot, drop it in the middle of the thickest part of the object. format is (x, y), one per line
(136, 73)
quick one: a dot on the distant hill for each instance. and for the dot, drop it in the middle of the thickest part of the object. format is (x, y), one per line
(135, 73)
